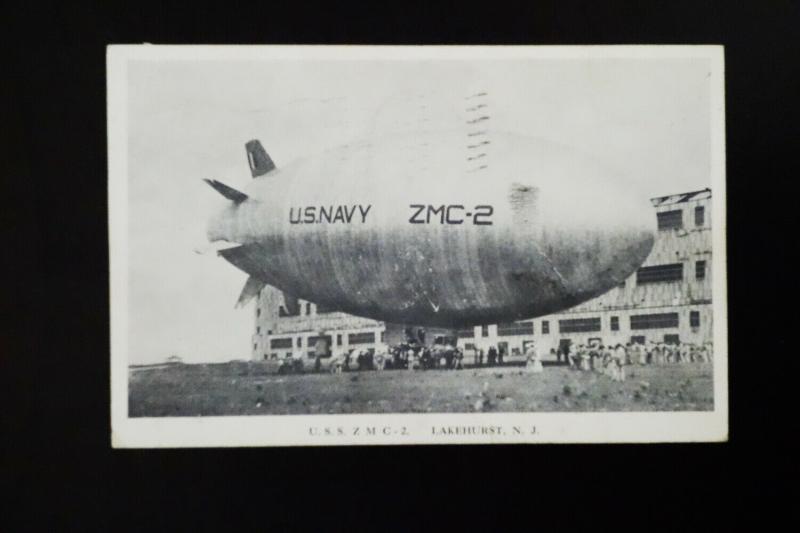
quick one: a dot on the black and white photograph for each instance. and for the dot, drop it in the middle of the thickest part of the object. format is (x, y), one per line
(355, 245)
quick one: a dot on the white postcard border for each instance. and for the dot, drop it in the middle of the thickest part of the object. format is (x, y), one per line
(382, 429)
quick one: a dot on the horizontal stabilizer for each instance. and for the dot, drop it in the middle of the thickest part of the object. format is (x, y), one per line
(215, 247)
(260, 162)
(250, 290)
(228, 192)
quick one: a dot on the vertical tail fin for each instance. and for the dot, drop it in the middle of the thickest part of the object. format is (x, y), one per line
(257, 157)
(250, 290)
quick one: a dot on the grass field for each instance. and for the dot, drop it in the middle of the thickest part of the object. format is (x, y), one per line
(247, 389)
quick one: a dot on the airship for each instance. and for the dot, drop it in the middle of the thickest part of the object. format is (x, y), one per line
(450, 229)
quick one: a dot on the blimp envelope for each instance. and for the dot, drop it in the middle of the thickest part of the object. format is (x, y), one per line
(376, 245)
(446, 230)
(441, 218)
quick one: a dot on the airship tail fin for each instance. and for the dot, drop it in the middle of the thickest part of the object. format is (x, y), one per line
(291, 303)
(250, 290)
(228, 192)
(259, 160)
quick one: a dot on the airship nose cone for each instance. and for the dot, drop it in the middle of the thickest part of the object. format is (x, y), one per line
(221, 225)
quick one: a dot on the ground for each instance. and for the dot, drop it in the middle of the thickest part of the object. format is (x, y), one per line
(241, 388)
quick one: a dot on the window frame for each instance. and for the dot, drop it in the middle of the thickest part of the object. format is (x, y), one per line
(663, 273)
(580, 325)
(666, 220)
(700, 274)
(701, 211)
(654, 321)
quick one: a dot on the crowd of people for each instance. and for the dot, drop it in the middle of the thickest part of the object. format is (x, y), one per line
(490, 357)
(612, 359)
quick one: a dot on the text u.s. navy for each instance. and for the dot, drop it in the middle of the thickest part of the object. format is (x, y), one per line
(453, 214)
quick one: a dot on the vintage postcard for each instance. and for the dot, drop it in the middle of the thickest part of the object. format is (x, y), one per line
(365, 245)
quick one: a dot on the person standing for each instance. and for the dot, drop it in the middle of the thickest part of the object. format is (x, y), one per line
(572, 357)
(492, 355)
(608, 362)
(595, 353)
(620, 358)
(533, 362)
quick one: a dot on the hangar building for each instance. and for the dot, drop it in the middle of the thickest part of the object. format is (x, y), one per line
(668, 299)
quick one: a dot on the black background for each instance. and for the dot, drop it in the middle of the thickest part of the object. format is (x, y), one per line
(57, 463)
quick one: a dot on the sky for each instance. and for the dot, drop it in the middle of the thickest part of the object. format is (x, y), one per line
(649, 119)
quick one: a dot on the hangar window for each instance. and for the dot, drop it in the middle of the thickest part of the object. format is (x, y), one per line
(545, 327)
(654, 321)
(614, 323)
(660, 273)
(361, 338)
(700, 270)
(255, 346)
(266, 356)
(699, 216)
(285, 342)
(258, 311)
(672, 338)
(299, 342)
(637, 339)
(485, 331)
(670, 219)
(321, 343)
(515, 328)
(577, 325)
(258, 329)
(694, 319)
(468, 333)
(469, 346)
(338, 340)
(308, 308)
